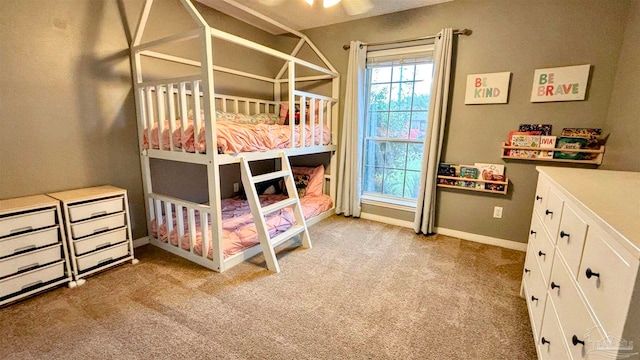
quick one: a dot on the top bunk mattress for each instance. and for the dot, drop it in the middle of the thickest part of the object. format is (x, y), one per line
(233, 137)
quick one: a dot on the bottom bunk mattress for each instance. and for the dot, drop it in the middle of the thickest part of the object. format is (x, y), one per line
(238, 229)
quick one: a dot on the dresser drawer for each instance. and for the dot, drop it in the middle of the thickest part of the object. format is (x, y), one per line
(544, 250)
(102, 256)
(96, 208)
(535, 291)
(100, 241)
(607, 276)
(571, 236)
(104, 223)
(553, 214)
(31, 278)
(31, 259)
(28, 241)
(540, 200)
(575, 319)
(551, 344)
(27, 221)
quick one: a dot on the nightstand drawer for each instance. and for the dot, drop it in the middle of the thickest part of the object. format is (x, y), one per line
(540, 200)
(96, 208)
(535, 291)
(27, 221)
(551, 344)
(31, 278)
(32, 259)
(607, 276)
(552, 214)
(93, 226)
(28, 241)
(100, 241)
(103, 256)
(544, 251)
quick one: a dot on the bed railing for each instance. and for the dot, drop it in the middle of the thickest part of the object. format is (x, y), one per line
(171, 116)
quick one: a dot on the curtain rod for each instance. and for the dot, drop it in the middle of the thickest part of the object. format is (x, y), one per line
(465, 32)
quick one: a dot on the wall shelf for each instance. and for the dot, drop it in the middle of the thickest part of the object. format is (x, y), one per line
(505, 183)
(596, 161)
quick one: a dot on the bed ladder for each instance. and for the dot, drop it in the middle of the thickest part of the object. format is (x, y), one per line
(259, 212)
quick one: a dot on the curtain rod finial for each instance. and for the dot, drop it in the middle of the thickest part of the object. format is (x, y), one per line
(346, 47)
(466, 32)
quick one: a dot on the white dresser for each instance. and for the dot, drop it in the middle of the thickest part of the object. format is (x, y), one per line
(98, 228)
(580, 277)
(33, 250)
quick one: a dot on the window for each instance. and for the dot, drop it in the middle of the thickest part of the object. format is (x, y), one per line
(399, 86)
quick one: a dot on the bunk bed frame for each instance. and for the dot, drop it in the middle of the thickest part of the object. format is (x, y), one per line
(170, 98)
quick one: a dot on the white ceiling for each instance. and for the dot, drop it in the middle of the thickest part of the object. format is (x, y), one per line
(298, 15)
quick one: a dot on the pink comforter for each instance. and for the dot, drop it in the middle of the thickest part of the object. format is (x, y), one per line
(234, 137)
(238, 229)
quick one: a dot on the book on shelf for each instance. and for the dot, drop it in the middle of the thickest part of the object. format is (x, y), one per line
(445, 169)
(493, 172)
(547, 142)
(544, 129)
(469, 172)
(591, 134)
(524, 139)
(567, 142)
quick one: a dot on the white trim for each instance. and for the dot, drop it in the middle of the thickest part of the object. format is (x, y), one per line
(388, 203)
(387, 220)
(509, 244)
(141, 241)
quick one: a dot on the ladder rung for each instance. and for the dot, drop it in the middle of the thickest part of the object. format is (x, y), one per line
(270, 176)
(293, 231)
(279, 205)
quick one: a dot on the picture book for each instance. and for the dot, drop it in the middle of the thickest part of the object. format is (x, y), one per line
(469, 172)
(544, 129)
(591, 134)
(566, 142)
(547, 142)
(524, 139)
(493, 172)
(446, 170)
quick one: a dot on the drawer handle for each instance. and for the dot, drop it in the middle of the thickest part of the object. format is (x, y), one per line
(103, 212)
(540, 253)
(538, 197)
(107, 244)
(545, 341)
(590, 273)
(101, 229)
(527, 270)
(105, 260)
(554, 285)
(533, 298)
(547, 212)
(532, 232)
(26, 228)
(576, 341)
(32, 284)
(28, 267)
(563, 234)
(23, 249)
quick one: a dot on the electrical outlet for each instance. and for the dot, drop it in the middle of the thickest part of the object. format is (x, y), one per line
(497, 212)
(236, 187)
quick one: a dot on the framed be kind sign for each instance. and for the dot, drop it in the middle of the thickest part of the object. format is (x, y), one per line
(560, 84)
(487, 88)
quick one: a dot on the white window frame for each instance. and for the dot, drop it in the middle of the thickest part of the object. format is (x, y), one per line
(377, 199)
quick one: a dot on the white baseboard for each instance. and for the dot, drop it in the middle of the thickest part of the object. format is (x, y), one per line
(509, 244)
(141, 241)
(387, 220)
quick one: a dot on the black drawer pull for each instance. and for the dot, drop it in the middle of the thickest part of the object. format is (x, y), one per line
(576, 341)
(563, 234)
(533, 298)
(590, 273)
(538, 197)
(527, 270)
(547, 212)
(540, 253)
(554, 285)
(545, 341)
(532, 232)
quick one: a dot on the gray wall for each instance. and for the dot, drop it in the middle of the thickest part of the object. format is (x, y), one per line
(623, 120)
(516, 36)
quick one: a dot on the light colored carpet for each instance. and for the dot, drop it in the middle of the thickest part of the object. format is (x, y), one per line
(364, 291)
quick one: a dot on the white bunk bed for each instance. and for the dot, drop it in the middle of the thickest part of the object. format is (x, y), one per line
(182, 119)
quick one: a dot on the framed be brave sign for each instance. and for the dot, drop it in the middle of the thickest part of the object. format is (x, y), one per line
(487, 88)
(560, 84)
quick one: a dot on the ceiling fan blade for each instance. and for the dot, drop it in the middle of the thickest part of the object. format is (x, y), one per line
(271, 2)
(356, 7)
